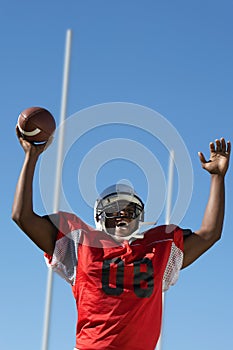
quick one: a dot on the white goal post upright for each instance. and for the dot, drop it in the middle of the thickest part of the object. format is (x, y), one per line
(56, 202)
(167, 222)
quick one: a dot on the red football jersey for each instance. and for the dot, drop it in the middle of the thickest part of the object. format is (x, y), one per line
(117, 286)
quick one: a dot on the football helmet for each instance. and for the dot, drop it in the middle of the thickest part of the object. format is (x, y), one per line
(113, 200)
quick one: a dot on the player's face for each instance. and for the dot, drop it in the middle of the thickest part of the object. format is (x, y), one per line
(123, 222)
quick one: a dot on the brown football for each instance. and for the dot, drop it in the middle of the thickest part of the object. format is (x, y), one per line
(36, 124)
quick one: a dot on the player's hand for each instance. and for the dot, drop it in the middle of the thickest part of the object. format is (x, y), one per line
(30, 148)
(219, 157)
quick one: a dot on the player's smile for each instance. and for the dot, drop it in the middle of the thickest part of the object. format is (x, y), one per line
(122, 223)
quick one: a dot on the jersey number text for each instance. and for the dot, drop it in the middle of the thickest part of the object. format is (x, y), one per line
(142, 281)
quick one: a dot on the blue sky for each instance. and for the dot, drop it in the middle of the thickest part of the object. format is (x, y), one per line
(174, 57)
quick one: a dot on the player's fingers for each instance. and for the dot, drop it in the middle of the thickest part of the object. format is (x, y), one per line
(212, 147)
(223, 144)
(218, 145)
(18, 133)
(202, 158)
(228, 147)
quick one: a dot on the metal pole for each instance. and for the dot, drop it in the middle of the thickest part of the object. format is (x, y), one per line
(167, 222)
(169, 187)
(57, 182)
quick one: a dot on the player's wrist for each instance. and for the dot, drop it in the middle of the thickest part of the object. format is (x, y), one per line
(31, 156)
(218, 177)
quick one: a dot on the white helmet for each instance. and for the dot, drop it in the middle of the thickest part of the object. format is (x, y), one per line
(108, 202)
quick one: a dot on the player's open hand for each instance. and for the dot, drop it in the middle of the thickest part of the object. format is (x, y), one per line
(30, 148)
(219, 157)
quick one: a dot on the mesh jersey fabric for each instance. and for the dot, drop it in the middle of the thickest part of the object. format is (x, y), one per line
(117, 287)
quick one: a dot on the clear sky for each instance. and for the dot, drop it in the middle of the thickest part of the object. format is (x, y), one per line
(173, 57)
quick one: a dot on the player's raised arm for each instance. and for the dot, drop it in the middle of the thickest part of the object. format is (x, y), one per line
(212, 223)
(39, 230)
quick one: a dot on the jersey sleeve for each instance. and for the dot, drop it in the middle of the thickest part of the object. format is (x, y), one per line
(175, 260)
(65, 256)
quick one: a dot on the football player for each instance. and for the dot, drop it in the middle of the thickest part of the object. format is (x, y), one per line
(118, 272)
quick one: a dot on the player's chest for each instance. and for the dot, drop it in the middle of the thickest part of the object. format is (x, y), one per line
(133, 268)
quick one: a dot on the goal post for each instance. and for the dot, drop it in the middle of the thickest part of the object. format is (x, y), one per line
(48, 301)
(167, 222)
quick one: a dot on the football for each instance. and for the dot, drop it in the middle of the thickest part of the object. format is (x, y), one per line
(36, 124)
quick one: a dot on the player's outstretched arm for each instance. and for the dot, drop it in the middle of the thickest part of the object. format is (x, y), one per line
(212, 223)
(39, 230)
